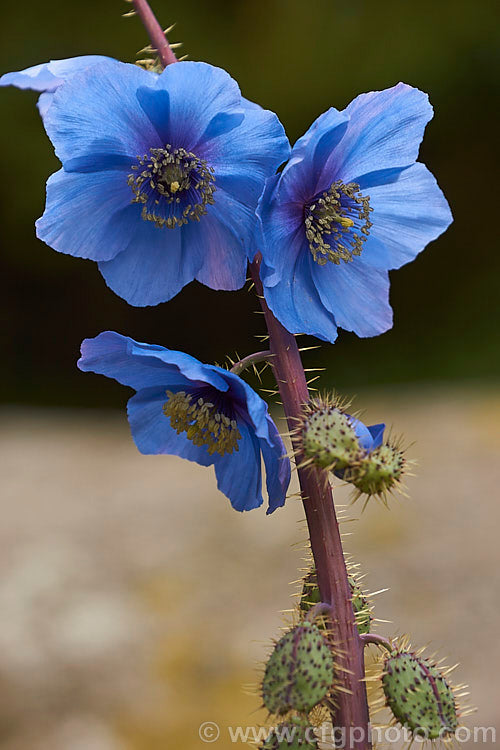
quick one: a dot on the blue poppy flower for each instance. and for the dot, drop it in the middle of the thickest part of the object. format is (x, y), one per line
(200, 412)
(351, 204)
(47, 77)
(161, 176)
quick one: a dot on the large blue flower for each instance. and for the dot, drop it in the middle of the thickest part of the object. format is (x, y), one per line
(161, 176)
(351, 204)
(47, 77)
(200, 412)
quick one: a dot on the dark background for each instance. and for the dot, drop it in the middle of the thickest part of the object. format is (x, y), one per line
(298, 59)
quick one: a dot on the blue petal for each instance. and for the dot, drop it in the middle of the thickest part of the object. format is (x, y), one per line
(363, 434)
(152, 432)
(301, 178)
(294, 299)
(155, 266)
(277, 465)
(48, 76)
(44, 102)
(141, 365)
(249, 404)
(377, 433)
(246, 157)
(222, 254)
(197, 92)
(408, 213)
(239, 474)
(88, 215)
(280, 221)
(96, 113)
(385, 130)
(356, 294)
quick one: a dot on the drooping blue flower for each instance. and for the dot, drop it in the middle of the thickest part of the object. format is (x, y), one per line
(47, 77)
(351, 204)
(161, 176)
(200, 412)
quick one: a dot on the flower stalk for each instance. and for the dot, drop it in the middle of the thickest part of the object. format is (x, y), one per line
(250, 361)
(351, 706)
(351, 709)
(155, 32)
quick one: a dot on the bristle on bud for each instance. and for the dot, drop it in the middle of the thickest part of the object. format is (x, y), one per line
(299, 672)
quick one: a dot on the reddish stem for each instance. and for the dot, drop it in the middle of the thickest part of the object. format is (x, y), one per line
(159, 41)
(324, 534)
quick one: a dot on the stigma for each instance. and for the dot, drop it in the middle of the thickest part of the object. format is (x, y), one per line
(173, 185)
(337, 223)
(203, 422)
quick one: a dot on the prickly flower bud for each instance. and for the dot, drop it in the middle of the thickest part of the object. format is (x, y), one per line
(329, 436)
(311, 596)
(296, 734)
(299, 671)
(419, 696)
(380, 471)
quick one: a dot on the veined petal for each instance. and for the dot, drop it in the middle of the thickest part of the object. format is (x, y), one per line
(385, 130)
(223, 260)
(407, 214)
(356, 294)
(294, 299)
(97, 112)
(154, 267)
(140, 365)
(244, 158)
(102, 197)
(277, 465)
(301, 179)
(239, 474)
(48, 76)
(178, 117)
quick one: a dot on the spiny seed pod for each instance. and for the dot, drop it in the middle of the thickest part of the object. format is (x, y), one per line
(328, 436)
(296, 734)
(310, 596)
(419, 695)
(299, 671)
(379, 471)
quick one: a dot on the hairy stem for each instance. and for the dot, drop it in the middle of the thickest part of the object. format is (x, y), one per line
(351, 702)
(252, 359)
(156, 34)
(377, 640)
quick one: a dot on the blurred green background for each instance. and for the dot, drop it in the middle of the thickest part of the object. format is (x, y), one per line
(298, 59)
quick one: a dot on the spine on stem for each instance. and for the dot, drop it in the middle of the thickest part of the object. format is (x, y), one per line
(351, 702)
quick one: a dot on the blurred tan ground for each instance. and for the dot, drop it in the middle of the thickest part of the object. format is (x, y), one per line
(135, 603)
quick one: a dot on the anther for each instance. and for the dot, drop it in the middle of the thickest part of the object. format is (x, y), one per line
(328, 227)
(202, 421)
(173, 185)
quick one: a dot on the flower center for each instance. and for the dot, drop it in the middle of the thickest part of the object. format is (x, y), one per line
(174, 186)
(337, 223)
(204, 422)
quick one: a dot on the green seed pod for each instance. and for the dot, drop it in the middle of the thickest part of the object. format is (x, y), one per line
(328, 437)
(296, 734)
(299, 671)
(310, 596)
(379, 471)
(419, 696)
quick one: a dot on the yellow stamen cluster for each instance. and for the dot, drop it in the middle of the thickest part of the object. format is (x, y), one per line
(202, 422)
(326, 217)
(167, 175)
